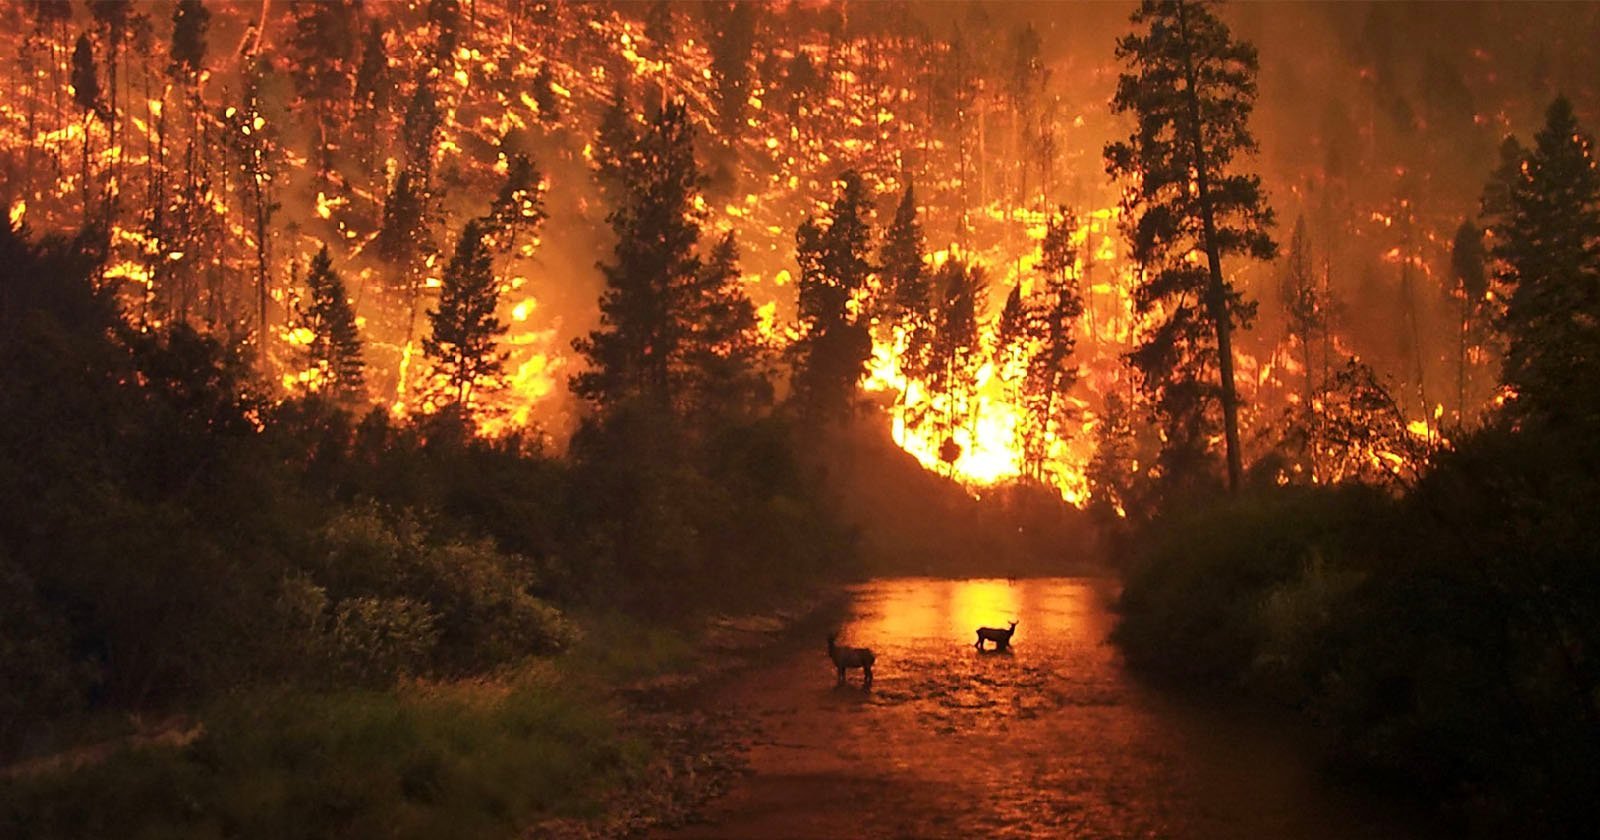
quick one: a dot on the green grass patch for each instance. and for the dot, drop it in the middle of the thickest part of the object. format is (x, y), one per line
(464, 759)
(616, 648)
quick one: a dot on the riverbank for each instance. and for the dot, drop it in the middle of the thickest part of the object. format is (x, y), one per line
(698, 742)
(602, 741)
(1437, 649)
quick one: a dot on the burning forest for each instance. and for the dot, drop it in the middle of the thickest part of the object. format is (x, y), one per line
(517, 317)
(219, 149)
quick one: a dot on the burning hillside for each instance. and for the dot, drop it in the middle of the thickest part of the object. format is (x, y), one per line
(222, 146)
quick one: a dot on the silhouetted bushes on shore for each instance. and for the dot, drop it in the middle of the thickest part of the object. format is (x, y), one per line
(170, 537)
(1446, 637)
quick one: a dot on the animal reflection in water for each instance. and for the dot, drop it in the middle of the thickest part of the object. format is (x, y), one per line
(1001, 638)
(845, 658)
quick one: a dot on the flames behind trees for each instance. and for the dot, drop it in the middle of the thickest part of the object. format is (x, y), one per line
(219, 171)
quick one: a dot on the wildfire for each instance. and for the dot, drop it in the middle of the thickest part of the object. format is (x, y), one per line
(870, 106)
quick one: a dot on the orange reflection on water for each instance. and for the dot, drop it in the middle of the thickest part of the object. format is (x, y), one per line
(984, 603)
(927, 608)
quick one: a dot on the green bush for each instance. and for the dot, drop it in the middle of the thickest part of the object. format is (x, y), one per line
(1297, 618)
(377, 640)
(1446, 638)
(480, 610)
(1195, 598)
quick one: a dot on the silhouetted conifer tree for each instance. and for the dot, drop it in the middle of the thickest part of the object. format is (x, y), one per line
(1304, 307)
(519, 206)
(905, 302)
(544, 94)
(654, 179)
(370, 105)
(335, 347)
(1111, 474)
(190, 20)
(323, 42)
(1469, 269)
(720, 364)
(1543, 210)
(1191, 87)
(733, 33)
(445, 18)
(421, 128)
(465, 331)
(1053, 323)
(113, 17)
(954, 353)
(831, 354)
(86, 93)
(252, 139)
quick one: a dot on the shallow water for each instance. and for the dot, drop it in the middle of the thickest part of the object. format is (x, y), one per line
(1052, 738)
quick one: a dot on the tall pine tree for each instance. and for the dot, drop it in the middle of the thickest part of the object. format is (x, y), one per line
(86, 93)
(190, 19)
(1191, 88)
(1469, 270)
(519, 206)
(466, 333)
(322, 43)
(1543, 211)
(905, 302)
(831, 354)
(372, 91)
(721, 359)
(955, 351)
(652, 175)
(1051, 370)
(733, 30)
(335, 347)
(1304, 308)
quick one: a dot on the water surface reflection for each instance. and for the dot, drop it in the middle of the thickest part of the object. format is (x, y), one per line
(1050, 739)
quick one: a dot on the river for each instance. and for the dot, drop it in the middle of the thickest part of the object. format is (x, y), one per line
(1053, 738)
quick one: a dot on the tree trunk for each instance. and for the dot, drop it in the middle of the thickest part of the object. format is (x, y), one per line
(88, 125)
(261, 268)
(1461, 362)
(1216, 289)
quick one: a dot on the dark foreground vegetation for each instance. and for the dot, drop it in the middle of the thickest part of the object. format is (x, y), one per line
(333, 623)
(1443, 630)
(171, 543)
(1442, 639)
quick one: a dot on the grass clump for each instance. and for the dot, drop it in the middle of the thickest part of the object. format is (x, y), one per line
(464, 759)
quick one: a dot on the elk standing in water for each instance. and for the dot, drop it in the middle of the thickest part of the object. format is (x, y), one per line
(851, 657)
(1001, 638)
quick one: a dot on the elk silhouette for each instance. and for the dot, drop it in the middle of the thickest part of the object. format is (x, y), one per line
(1001, 638)
(851, 657)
